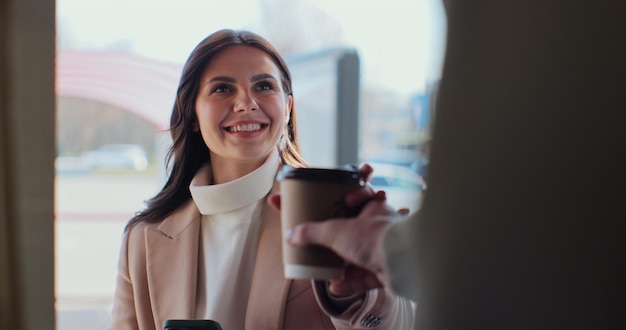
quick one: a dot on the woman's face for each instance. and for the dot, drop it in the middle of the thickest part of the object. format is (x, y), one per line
(241, 106)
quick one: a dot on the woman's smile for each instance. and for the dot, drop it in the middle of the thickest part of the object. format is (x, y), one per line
(245, 127)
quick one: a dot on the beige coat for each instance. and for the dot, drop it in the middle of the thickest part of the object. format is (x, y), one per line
(158, 269)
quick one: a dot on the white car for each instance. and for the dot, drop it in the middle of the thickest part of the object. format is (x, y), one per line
(403, 186)
(117, 157)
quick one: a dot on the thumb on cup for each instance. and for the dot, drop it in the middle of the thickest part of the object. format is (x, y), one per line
(310, 233)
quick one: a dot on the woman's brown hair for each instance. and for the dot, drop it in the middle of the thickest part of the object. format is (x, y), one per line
(189, 152)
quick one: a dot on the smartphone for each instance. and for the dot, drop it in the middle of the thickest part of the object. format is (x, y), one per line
(191, 325)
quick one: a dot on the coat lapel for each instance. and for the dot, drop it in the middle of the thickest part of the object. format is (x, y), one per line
(268, 292)
(172, 264)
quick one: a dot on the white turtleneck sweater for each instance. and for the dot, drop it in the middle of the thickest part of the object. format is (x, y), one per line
(231, 214)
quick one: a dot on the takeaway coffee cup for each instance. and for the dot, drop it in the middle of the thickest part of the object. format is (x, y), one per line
(314, 194)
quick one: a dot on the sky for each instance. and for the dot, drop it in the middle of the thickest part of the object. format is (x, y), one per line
(399, 41)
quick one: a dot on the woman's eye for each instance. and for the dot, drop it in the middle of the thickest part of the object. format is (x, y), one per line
(221, 89)
(265, 85)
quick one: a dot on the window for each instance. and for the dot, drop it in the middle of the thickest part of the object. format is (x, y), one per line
(116, 86)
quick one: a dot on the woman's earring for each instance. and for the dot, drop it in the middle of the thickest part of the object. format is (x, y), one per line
(282, 144)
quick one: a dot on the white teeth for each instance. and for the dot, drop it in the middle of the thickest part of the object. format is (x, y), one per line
(245, 128)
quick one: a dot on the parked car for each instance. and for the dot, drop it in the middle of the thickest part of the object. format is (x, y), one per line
(71, 165)
(403, 186)
(416, 160)
(117, 157)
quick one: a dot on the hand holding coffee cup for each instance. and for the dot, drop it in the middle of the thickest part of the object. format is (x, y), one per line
(314, 194)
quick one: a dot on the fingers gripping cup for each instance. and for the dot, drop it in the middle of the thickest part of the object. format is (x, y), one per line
(314, 194)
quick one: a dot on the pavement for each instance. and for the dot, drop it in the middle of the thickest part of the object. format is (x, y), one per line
(91, 212)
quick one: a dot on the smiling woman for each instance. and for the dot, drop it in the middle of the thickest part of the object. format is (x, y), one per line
(210, 230)
(242, 110)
